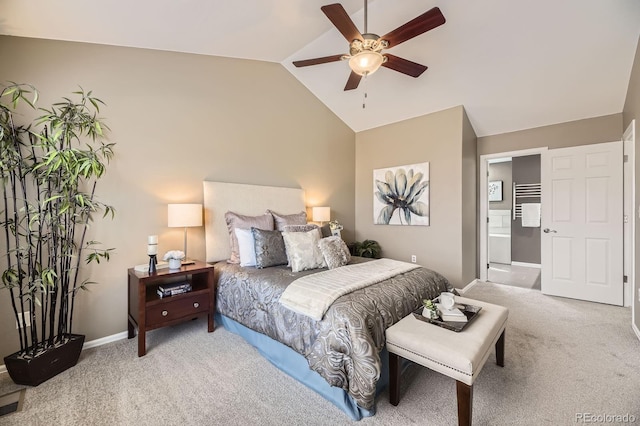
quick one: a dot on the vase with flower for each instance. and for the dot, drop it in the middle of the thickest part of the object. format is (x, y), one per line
(174, 257)
(336, 228)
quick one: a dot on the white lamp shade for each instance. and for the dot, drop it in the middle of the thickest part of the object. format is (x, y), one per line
(183, 215)
(321, 214)
(366, 62)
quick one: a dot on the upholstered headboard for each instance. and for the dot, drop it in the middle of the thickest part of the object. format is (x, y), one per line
(221, 197)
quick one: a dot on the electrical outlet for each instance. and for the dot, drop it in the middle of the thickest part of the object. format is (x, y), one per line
(27, 318)
(413, 258)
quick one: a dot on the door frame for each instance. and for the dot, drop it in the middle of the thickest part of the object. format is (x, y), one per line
(628, 149)
(484, 202)
(628, 141)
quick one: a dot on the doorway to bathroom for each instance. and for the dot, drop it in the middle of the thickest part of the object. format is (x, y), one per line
(513, 203)
(569, 255)
(514, 221)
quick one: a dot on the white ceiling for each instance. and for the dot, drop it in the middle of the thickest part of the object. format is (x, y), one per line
(512, 64)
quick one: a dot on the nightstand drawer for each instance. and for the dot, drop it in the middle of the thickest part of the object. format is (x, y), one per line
(174, 309)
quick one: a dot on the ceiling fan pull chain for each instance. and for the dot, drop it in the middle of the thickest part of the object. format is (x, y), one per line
(364, 100)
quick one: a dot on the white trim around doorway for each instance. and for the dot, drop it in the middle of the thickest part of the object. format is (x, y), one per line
(631, 291)
(484, 201)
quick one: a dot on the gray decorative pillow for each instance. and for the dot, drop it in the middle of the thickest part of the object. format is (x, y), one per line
(299, 228)
(303, 251)
(235, 220)
(335, 252)
(269, 248)
(282, 220)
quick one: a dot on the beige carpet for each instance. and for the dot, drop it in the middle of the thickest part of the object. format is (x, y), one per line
(562, 358)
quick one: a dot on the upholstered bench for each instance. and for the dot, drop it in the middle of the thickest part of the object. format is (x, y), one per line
(459, 355)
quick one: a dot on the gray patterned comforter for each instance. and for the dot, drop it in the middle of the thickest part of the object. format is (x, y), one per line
(344, 346)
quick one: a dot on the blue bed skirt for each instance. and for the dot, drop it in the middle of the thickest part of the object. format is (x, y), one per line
(296, 365)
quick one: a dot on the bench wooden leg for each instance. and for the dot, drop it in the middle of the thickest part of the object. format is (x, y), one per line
(465, 400)
(394, 378)
(500, 350)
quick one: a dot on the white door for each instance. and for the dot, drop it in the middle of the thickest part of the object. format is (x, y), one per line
(582, 223)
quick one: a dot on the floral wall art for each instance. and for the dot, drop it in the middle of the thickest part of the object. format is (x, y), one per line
(401, 195)
(495, 190)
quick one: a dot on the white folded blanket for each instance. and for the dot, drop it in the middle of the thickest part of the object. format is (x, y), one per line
(313, 294)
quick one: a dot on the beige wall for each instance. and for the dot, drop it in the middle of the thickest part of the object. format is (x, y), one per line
(447, 142)
(631, 112)
(179, 119)
(580, 132)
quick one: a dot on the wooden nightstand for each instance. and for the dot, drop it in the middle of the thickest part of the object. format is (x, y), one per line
(148, 311)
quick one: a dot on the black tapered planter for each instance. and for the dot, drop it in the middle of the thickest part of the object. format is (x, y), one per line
(53, 361)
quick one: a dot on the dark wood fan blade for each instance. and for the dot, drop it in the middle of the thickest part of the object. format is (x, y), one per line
(423, 23)
(338, 16)
(317, 61)
(404, 66)
(354, 80)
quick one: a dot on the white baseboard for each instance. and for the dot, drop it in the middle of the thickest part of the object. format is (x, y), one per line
(105, 340)
(91, 344)
(635, 329)
(468, 286)
(528, 265)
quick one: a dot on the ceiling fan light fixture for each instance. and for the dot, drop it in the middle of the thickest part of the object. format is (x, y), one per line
(365, 49)
(366, 62)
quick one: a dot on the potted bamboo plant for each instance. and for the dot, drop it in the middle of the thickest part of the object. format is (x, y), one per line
(49, 169)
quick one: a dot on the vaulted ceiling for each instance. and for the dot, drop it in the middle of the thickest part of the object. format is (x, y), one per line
(512, 64)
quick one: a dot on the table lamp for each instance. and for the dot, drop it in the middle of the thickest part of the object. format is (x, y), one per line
(321, 214)
(184, 216)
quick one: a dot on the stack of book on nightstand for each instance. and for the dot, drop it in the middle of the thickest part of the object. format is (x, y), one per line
(166, 290)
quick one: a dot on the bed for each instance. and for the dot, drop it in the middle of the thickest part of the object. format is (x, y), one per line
(339, 353)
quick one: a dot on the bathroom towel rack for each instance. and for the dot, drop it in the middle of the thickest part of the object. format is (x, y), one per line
(524, 190)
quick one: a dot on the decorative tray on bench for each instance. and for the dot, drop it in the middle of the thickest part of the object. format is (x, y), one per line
(470, 311)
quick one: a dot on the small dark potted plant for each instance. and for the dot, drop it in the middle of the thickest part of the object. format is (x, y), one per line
(49, 169)
(367, 248)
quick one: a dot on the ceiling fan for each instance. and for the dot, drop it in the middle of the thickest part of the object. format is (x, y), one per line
(365, 50)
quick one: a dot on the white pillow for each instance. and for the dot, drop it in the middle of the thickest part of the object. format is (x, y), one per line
(246, 247)
(303, 251)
